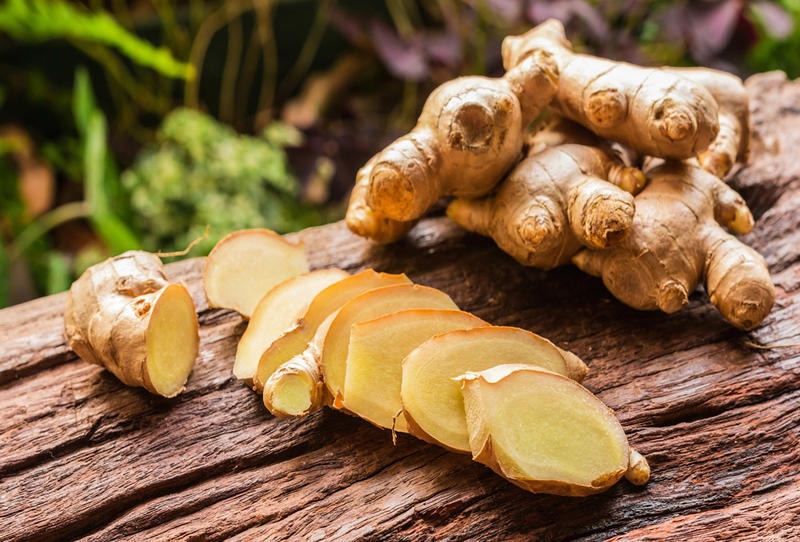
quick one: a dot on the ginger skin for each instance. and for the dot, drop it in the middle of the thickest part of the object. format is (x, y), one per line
(553, 203)
(678, 239)
(655, 111)
(469, 134)
(123, 314)
(731, 144)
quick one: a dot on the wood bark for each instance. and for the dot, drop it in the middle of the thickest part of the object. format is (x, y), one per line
(82, 456)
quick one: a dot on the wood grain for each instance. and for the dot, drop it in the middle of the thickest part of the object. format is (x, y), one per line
(82, 456)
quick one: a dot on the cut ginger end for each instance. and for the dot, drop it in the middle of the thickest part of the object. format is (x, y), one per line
(246, 264)
(367, 306)
(374, 358)
(432, 401)
(276, 313)
(171, 340)
(545, 432)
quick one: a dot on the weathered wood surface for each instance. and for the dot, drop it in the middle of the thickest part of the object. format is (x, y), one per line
(83, 456)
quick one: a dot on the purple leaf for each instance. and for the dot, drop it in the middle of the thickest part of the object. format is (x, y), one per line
(403, 58)
(711, 26)
(541, 10)
(777, 22)
(444, 48)
(508, 10)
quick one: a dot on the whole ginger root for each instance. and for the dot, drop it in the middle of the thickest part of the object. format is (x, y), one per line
(470, 133)
(554, 202)
(677, 239)
(655, 111)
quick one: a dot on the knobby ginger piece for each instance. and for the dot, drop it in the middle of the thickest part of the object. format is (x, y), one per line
(546, 433)
(375, 355)
(677, 240)
(655, 111)
(123, 314)
(295, 341)
(246, 264)
(432, 402)
(470, 132)
(276, 313)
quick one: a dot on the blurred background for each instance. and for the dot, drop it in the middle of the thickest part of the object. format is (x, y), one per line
(137, 123)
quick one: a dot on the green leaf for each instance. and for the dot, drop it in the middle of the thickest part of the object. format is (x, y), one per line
(41, 20)
(83, 103)
(59, 274)
(112, 230)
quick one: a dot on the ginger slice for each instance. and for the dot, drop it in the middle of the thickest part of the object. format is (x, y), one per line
(246, 264)
(276, 313)
(432, 401)
(367, 306)
(546, 433)
(375, 354)
(296, 340)
(123, 315)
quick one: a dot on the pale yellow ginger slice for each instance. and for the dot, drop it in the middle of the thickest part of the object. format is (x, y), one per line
(367, 306)
(122, 314)
(546, 433)
(276, 313)
(432, 401)
(295, 341)
(246, 264)
(375, 355)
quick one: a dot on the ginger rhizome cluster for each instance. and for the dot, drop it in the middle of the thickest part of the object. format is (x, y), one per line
(571, 192)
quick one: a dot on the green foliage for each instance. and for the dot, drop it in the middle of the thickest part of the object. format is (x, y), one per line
(40, 20)
(203, 173)
(777, 52)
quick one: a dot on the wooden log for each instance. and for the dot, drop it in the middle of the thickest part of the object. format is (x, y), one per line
(83, 456)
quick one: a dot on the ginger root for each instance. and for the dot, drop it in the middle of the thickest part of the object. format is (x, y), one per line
(124, 315)
(546, 433)
(677, 239)
(655, 111)
(732, 141)
(470, 132)
(555, 202)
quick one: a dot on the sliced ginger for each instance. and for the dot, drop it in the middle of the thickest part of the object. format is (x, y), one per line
(123, 314)
(367, 306)
(246, 264)
(375, 355)
(545, 432)
(325, 357)
(276, 313)
(432, 402)
(295, 341)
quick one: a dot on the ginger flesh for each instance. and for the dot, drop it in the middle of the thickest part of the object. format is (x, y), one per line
(677, 240)
(276, 313)
(242, 268)
(655, 111)
(325, 357)
(553, 203)
(123, 314)
(368, 306)
(432, 402)
(545, 432)
(330, 299)
(375, 355)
